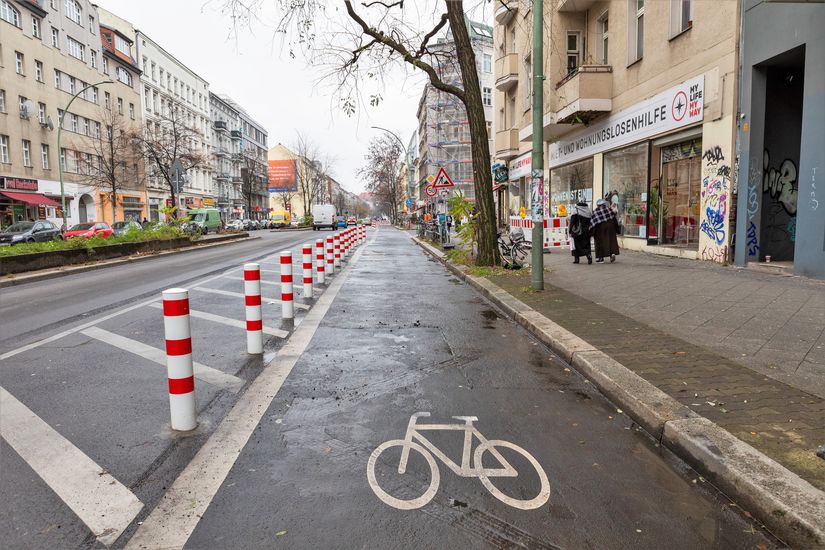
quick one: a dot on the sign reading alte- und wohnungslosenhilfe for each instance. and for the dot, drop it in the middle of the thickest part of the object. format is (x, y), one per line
(679, 106)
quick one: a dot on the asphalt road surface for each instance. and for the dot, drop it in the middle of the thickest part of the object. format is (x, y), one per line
(314, 444)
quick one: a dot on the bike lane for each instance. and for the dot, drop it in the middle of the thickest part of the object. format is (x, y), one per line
(404, 337)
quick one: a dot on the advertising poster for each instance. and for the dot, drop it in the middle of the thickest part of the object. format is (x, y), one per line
(282, 176)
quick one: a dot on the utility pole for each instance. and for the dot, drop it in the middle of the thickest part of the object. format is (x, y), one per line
(537, 162)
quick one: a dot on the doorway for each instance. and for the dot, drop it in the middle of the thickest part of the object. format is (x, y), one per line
(675, 196)
(84, 205)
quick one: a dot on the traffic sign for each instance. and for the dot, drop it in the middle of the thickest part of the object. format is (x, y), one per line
(176, 175)
(430, 190)
(442, 180)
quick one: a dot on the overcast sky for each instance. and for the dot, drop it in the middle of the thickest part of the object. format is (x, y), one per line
(278, 91)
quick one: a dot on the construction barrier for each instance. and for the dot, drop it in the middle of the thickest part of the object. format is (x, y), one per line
(555, 233)
(320, 260)
(306, 270)
(254, 318)
(287, 303)
(179, 367)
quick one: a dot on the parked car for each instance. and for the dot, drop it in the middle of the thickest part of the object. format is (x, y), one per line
(365, 221)
(206, 220)
(89, 230)
(121, 228)
(340, 221)
(323, 215)
(235, 225)
(280, 218)
(351, 220)
(30, 232)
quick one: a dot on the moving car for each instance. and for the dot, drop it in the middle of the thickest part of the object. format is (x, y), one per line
(206, 219)
(30, 232)
(89, 230)
(280, 218)
(323, 215)
(121, 228)
(351, 220)
(340, 221)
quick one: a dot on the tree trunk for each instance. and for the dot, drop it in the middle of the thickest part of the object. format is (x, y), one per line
(482, 174)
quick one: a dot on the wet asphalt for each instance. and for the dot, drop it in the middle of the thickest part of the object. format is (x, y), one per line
(403, 336)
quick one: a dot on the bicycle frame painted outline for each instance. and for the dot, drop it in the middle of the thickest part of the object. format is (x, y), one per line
(465, 470)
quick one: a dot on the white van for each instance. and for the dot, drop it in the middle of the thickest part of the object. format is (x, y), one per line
(323, 215)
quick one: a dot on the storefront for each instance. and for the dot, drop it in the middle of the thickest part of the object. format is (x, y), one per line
(21, 199)
(570, 184)
(517, 194)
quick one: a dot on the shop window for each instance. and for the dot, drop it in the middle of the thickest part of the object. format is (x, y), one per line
(625, 186)
(570, 184)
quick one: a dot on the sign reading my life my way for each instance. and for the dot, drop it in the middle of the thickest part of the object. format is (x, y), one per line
(674, 108)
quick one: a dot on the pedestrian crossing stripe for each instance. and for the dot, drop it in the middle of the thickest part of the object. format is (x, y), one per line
(442, 180)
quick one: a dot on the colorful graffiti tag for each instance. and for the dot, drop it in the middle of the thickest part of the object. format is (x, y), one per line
(715, 190)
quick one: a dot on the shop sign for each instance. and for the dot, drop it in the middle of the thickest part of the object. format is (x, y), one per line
(520, 166)
(209, 201)
(679, 106)
(23, 184)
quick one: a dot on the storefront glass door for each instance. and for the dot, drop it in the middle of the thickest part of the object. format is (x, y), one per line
(675, 197)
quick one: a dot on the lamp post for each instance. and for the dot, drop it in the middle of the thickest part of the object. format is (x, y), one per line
(537, 161)
(59, 149)
(406, 156)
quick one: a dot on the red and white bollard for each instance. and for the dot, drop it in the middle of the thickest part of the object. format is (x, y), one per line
(254, 318)
(336, 240)
(320, 260)
(345, 244)
(306, 270)
(287, 299)
(180, 371)
(330, 256)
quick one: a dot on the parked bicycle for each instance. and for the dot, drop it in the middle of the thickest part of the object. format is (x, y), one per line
(513, 248)
(415, 441)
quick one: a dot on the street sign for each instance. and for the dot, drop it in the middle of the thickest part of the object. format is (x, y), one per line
(176, 175)
(430, 190)
(409, 203)
(442, 180)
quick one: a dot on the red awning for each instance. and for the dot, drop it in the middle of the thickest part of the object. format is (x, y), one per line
(30, 198)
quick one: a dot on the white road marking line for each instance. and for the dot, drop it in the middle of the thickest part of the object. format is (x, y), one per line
(232, 294)
(296, 290)
(172, 521)
(104, 504)
(228, 321)
(210, 375)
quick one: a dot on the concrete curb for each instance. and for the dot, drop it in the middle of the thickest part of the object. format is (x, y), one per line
(60, 272)
(787, 504)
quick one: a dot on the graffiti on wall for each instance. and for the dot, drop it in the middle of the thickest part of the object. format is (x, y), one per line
(715, 190)
(780, 184)
(753, 240)
(715, 254)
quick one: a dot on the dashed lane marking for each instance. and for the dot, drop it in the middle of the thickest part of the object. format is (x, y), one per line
(104, 504)
(228, 321)
(210, 375)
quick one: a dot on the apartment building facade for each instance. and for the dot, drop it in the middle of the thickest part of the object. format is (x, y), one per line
(640, 109)
(443, 127)
(54, 62)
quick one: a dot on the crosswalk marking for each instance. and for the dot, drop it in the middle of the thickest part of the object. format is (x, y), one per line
(104, 504)
(210, 375)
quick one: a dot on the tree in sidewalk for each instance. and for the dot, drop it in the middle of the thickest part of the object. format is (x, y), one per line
(172, 136)
(382, 174)
(311, 173)
(365, 45)
(116, 162)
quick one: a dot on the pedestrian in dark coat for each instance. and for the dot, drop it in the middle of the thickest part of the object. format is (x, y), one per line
(579, 228)
(603, 227)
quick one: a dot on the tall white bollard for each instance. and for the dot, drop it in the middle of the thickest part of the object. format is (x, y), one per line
(345, 244)
(306, 270)
(287, 299)
(330, 255)
(180, 371)
(320, 261)
(336, 240)
(254, 317)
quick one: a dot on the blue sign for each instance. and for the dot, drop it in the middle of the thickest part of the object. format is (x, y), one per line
(409, 203)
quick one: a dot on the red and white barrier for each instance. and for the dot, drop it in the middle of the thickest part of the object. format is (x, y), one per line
(320, 261)
(336, 240)
(330, 255)
(347, 242)
(180, 371)
(287, 299)
(306, 270)
(254, 318)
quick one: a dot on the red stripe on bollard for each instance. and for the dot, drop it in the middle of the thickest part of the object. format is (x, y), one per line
(253, 301)
(179, 366)
(286, 259)
(179, 347)
(173, 308)
(178, 386)
(255, 325)
(286, 278)
(251, 275)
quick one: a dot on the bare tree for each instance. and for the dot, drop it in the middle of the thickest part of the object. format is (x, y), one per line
(382, 173)
(369, 43)
(311, 173)
(253, 177)
(171, 137)
(117, 160)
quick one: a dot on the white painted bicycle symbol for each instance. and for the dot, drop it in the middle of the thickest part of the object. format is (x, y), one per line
(415, 441)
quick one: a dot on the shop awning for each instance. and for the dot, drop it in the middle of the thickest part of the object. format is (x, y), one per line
(35, 199)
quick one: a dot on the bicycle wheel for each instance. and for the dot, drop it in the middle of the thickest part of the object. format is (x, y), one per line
(504, 252)
(401, 504)
(531, 504)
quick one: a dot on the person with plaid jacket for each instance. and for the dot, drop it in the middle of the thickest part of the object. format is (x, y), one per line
(604, 227)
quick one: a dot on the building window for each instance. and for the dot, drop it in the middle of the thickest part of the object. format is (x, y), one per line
(635, 30)
(124, 76)
(4, 149)
(93, 58)
(92, 26)
(602, 38)
(573, 51)
(107, 100)
(41, 113)
(162, 82)
(27, 153)
(95, 129)
(154, 76)
(625, 186)
(76, 49)
(73, 122)
(487, 96)
(94, 95)
(85, 126)
(2, 101)
(38, 70)
(120, 105)
(487, 62)
(9, 14)
(18, 60)
(57, 79)
(21, 106)
(36, 27)
(122, 45)
(681, 16)
(44, 155)
(72, 84)
(74, 11)
(570, 184)
(132, 111)
(105, 66)
(55, 38)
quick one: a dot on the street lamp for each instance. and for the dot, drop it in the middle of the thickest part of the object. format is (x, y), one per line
(406, 156)
(59, 150)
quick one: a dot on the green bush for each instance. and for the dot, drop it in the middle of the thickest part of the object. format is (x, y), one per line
(306, 221)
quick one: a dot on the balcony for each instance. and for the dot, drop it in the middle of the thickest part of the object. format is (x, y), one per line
(585, 94)
(507, 144)
(220, 125)
(221, 176)
(505, 10)
(572, 6)
(237, 179)
(236, 134)
(222, 151)
(506, 71)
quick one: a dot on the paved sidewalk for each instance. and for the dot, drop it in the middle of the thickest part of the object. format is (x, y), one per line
(708, 336)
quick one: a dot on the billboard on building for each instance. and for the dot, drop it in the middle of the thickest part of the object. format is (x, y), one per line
(282, 176)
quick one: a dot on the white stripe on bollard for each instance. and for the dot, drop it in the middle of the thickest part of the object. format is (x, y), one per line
(320, 261)
(306, 270)
(180, 371)
(330, 256)
(287, 304)
(336, 240)
(254, 318)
